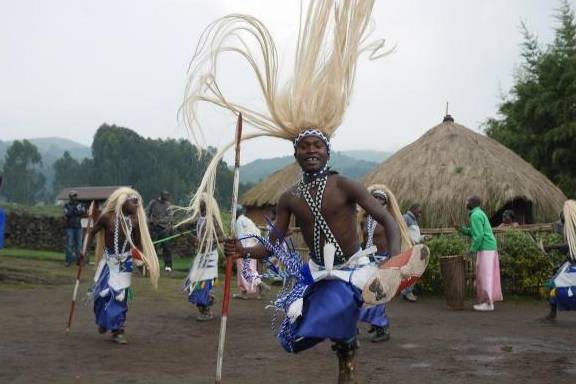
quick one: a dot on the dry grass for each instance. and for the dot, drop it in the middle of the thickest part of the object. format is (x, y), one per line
(451, 162)
(269, 190)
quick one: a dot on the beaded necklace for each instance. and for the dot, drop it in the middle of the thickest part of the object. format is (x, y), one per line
(128, 222)
(370, 228)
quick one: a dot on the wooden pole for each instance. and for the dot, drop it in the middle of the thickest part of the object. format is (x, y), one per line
(91, 211)
(229, 261)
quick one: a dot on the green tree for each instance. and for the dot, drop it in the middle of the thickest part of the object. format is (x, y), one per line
(122, 157)
(538, 118)
(23, 181)
(67, 172)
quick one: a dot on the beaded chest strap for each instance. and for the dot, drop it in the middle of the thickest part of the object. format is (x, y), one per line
(128, 223)
(320, 225)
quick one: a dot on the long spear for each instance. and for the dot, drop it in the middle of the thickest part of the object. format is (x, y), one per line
(171, 237)
(228, 276)
(80, 262)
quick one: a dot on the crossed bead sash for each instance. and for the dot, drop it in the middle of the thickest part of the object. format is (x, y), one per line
(320, 225)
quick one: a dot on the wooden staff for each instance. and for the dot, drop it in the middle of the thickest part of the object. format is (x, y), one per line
(91, 211)
(229, 261)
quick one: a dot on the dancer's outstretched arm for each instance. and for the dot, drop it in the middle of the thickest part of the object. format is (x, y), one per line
(233, 247)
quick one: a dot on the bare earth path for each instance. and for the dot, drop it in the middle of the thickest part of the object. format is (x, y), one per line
(429, 344)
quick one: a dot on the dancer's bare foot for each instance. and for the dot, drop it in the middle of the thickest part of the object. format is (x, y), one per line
(549, 318)
(347, 364)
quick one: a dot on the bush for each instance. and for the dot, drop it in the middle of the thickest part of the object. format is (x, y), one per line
(443, 245)
(524, 268)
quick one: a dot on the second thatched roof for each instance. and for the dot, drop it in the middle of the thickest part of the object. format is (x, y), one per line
(268, 191)
(450, 162)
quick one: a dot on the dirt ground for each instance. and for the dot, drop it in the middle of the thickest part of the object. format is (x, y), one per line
(429, 344)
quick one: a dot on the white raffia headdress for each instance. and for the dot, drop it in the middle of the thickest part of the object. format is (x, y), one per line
(394, 209)
(569, 211)
(114, 204)
(331, 37)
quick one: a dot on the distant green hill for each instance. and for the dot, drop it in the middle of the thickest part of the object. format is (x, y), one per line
(368, 155)
(51, 149)
(349, 163)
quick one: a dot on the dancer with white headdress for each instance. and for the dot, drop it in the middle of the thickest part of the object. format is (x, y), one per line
(325, 302)
(204, 271)
(122, 239)
(563, 283)
(375, 235)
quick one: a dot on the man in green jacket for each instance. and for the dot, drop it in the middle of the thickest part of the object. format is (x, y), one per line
(488, 287)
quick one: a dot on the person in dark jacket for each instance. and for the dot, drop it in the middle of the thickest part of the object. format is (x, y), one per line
(160, 223)
(73, 212)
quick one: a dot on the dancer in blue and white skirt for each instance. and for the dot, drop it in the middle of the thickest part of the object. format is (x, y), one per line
(122, 239)
(204, 271)
(375, 235)
(306, 108)
(326, 299)
(563, 283)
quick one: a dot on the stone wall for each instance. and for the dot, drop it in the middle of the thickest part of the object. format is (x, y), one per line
(48, 233)
(34, 232)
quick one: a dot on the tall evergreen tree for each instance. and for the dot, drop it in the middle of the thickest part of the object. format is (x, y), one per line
(23, 181)
(122, 157)
(538, 118)
(67, 172)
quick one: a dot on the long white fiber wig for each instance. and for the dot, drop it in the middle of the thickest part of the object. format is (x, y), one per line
(332, 35)
(213, 209)
(569, 211)
(394, 209)
(114, 204)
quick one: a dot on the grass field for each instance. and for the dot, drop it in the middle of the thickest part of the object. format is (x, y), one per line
(35, 210)
(180, 264)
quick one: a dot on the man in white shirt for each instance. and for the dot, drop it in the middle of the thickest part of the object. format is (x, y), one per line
(249, 281)
(411, 218)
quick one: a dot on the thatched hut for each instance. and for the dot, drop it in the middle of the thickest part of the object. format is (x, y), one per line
(263, 197)
(450, 162)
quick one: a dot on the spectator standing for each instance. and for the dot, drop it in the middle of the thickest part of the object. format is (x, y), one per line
(73, 212)
(411, 219)
(249, 280)
(160, 223)
(488, 287)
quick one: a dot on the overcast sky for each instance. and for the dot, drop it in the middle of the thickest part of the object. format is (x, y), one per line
(67, 66)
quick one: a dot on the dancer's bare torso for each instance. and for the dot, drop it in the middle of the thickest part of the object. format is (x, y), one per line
(338, 208)
(107, 223)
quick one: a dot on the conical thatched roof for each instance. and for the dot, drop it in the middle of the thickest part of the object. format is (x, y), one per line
(269, 190)
(450, 162)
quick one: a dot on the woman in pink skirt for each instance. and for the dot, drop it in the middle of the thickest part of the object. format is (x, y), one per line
(488, 287)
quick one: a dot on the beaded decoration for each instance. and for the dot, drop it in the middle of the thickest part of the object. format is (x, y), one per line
(313, 132)
(320, 224)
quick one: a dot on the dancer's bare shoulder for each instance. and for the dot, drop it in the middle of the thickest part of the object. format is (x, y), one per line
(289, 196)
(104, 221)
(348, 184)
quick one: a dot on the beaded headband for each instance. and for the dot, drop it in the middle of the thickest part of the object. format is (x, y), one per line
(381, 194)
(312, 132)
